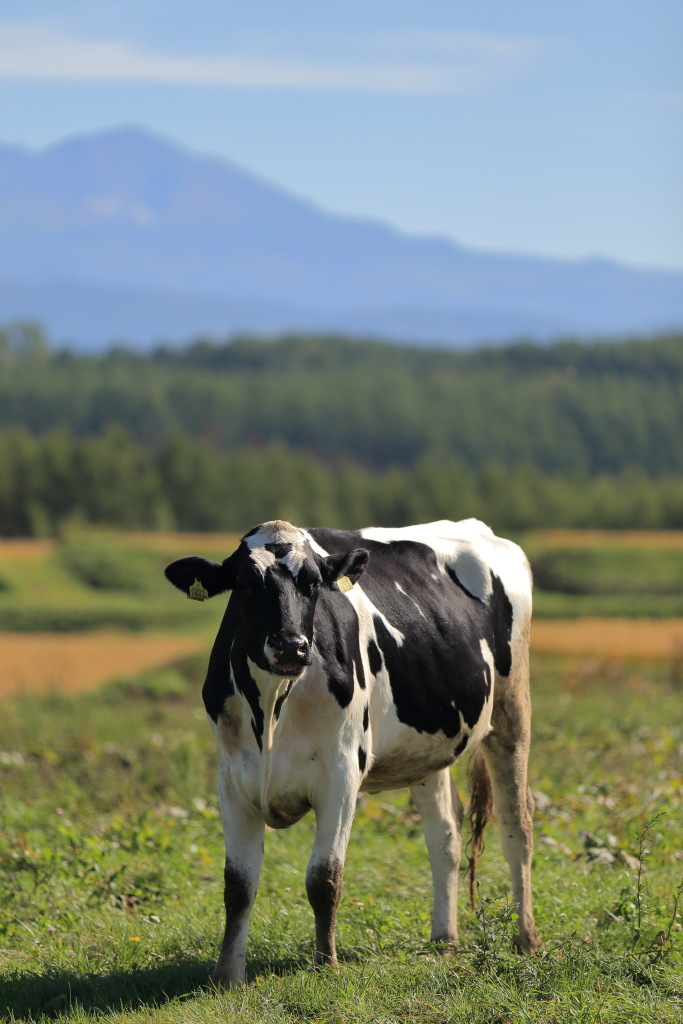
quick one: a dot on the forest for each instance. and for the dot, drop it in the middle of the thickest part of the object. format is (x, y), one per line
(220, 435)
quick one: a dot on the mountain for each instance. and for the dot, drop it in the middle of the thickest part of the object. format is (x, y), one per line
(125, 235)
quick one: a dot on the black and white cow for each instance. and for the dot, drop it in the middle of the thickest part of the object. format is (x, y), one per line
(366, 661)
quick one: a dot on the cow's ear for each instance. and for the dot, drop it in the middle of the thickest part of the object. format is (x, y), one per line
(199, 577)
(343, 571)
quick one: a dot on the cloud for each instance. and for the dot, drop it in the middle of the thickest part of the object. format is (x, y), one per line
(406, 63)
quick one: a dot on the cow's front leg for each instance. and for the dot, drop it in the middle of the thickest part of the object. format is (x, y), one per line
(243, 832)
(441, 811)
(334, 812)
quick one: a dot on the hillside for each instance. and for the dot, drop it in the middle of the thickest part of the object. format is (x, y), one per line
(125, 235)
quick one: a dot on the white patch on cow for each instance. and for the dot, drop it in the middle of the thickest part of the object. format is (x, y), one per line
(269, 687)
(472, 574)
(483, 726)
(411, 599)
(294, 559)
(319, 550)
(262, 558)
(278, 532)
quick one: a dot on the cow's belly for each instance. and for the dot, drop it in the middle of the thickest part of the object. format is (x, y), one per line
(410, 761)
(404, 756)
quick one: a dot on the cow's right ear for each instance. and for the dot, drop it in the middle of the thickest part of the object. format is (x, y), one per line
(200, 578)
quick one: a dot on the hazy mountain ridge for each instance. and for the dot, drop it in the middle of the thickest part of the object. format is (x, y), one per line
(126, 235)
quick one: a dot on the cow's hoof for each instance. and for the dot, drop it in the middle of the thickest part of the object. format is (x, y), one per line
(447, 948)
(321, 960)
(223, 980)
(526, 944)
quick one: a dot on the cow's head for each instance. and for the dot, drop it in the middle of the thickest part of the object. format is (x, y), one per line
(276, 576)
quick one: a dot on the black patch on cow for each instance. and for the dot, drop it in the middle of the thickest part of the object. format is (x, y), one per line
(336, 638)
(501, 615)
(366, 718)
(362, 759)
(281, 699)
(375, 658)
(439, 672)
(248, 688)
(218, 685)
(501, 620)
(461, 745)
(279, 550)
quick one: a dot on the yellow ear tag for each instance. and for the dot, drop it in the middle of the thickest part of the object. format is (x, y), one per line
(197, 592)
(344, 584)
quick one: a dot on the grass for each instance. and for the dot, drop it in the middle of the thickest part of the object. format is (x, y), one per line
(96, 579)
(111, 862)
(607, 580)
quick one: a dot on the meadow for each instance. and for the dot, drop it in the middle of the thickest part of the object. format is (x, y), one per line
(111, 846)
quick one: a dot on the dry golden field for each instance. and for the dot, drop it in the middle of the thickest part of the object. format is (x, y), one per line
(76, 662)
(609, 638)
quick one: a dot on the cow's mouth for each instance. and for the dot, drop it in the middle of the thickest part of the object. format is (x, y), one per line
(287, 670)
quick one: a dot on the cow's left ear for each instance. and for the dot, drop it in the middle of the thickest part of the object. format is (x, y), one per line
(199, 577)
(342, 571)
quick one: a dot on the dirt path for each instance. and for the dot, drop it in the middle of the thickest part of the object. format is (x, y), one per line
(76, 662)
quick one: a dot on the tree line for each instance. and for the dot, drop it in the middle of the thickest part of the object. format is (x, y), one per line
(569, 408)
(326, 430)
(54, 479)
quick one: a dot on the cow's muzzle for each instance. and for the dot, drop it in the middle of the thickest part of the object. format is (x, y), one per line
(288, 655)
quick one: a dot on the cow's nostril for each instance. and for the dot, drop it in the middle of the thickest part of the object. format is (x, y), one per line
(289, 649)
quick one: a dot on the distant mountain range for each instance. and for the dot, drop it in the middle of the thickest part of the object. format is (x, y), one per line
(125, 236)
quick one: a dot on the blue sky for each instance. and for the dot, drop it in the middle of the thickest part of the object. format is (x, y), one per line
(531, 127)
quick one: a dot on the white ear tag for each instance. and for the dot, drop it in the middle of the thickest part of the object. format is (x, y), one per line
(344, 584)
(197, 591)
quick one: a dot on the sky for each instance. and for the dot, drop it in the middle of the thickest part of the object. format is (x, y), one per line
(527, 127)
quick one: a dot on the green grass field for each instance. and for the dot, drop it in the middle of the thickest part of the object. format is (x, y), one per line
(111, 846)
(111, 871)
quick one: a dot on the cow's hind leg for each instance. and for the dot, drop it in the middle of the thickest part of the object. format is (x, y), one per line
(244, 834)
(441, 811)
(506, 753)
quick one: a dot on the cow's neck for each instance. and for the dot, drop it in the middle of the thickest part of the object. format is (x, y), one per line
(270, 688)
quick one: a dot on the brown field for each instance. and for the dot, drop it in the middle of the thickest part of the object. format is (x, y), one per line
(611, 638)
(76, 662)
(20, 549)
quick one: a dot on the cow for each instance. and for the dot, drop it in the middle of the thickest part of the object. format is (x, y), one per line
(367, 661)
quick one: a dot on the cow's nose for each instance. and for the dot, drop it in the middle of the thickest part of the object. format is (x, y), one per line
(290, 651)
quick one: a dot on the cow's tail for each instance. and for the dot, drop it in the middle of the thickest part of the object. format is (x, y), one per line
(480, 813)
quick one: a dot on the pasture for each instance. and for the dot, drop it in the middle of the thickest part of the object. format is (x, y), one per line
(111, 847)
